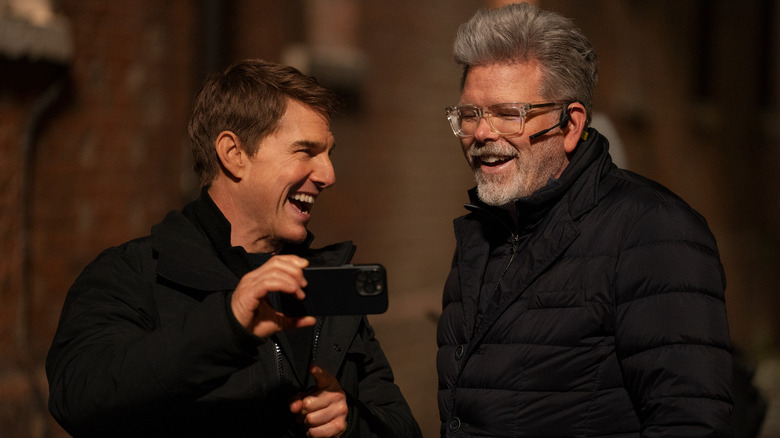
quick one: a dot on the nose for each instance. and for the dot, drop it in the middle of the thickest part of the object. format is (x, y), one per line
(324, 175)
(484, 131)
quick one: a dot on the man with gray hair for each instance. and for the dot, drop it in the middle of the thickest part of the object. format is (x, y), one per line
(583, 300)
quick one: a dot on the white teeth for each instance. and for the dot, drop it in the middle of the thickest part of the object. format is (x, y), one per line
(302, 197)
(492, 159)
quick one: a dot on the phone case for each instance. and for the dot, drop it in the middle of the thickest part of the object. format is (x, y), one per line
(339, 290)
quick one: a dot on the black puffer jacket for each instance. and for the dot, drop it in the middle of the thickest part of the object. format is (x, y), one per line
(602, 314)
(147, 346)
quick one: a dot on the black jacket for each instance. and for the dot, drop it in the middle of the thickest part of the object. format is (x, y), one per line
(600, 313)
(147, 346)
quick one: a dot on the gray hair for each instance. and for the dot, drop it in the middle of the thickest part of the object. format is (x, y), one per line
(521, 32)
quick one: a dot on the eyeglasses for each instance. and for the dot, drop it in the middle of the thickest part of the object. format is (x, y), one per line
(503, 118)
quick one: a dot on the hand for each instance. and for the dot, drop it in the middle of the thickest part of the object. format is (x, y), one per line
(323, 410)
(250, 303)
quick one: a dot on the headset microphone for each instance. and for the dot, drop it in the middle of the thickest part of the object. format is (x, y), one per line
(565, 116)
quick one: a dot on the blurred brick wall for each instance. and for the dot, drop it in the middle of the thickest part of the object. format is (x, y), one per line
(21, 395)
(105, 162)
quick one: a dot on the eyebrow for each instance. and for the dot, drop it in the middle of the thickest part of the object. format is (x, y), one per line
(308, 144)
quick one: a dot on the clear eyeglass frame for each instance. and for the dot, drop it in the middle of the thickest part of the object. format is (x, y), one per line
(502, 118)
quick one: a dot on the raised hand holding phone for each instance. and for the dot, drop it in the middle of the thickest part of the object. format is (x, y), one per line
(250, 300)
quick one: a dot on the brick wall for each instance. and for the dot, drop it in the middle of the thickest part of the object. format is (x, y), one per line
(20, 397)
(110, 162)
(105, 161)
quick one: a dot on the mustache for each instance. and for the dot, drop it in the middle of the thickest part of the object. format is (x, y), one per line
(491, 149)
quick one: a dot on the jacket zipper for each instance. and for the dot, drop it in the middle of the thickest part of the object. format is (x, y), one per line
(514, 238)
(514, 249)
(279, 355)
(279, 362)
(317, 338)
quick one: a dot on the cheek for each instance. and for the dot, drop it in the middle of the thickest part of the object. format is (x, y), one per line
(297, 172)
(465, 145)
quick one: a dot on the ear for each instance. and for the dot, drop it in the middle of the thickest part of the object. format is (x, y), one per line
(230, 153)
(574, 127)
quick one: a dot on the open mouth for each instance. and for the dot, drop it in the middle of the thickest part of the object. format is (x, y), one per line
(489, 162)
(491, 155)
(494, 160)
(302, 202)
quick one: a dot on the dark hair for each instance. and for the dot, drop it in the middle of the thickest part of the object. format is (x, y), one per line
(248, 98)
(521, 32)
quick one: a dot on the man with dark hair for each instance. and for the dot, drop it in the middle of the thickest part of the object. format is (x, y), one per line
(173, 335)
(583, 299)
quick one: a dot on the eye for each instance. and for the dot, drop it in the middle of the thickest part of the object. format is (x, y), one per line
(312, 149)
(307, 151)
(508, 113)
(468, 114)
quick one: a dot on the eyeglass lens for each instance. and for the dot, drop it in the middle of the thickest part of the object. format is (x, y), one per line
(502, 118)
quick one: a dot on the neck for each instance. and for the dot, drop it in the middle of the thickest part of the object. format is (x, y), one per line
(243, 230)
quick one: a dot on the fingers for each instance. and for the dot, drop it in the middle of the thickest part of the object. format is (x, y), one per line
(249, 301)
(331, 429)
(324, 410)
(324, 380)
(279, 274)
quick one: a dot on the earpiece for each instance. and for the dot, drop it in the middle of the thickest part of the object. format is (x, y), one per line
(565, 117)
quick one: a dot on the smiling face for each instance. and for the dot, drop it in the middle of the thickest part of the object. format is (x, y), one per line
(511, 167)
(276, 189)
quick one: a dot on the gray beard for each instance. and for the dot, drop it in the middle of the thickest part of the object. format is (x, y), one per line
(533, 171)
(499, 190)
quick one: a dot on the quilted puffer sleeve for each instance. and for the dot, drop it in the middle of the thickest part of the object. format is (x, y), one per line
(672, 335)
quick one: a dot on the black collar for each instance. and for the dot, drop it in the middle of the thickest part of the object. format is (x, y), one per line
(205, 214)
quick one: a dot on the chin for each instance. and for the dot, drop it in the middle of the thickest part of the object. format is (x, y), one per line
(497, 193)
(494, 197)
(297, 236)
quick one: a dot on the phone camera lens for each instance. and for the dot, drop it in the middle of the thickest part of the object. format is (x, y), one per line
(369, 283)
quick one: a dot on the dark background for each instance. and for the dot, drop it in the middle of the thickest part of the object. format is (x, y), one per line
(95, 96)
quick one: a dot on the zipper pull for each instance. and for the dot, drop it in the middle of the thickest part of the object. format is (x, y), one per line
(515, 242)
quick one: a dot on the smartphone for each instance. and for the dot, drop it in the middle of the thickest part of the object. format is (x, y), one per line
(353, 289)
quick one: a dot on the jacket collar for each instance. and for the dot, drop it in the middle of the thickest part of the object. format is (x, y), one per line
(185, 256)
(582, 177)
(208, 218)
